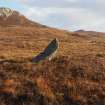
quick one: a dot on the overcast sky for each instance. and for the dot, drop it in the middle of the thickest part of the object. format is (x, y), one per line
(65, 14)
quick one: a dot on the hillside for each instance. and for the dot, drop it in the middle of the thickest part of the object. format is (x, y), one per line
(76, 76)
(10, 17)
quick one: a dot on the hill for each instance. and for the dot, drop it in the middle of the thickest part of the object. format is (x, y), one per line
(10, 17)
(75, 77)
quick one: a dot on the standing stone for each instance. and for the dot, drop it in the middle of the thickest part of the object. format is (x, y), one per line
(49, 52)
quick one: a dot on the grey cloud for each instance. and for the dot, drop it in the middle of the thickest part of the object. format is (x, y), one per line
(59, 3)
(68, 14)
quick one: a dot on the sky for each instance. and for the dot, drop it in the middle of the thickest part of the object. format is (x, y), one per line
(65, 14)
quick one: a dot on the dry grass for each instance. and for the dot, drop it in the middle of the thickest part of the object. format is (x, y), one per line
(75, 77)
(64, 80)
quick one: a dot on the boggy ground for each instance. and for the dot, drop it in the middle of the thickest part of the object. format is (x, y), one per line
(78, 80)
(23, 42)
(75, 77)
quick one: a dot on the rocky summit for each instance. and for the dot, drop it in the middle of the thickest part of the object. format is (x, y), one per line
(5, 12)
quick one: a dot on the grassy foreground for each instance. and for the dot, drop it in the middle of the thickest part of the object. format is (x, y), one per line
(65, 80)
